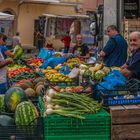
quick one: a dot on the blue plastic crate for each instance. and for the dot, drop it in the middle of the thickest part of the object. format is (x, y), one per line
(130, 94)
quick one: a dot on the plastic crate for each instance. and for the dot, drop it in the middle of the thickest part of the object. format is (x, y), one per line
(30, 132)
(129, 94)
(94, 127)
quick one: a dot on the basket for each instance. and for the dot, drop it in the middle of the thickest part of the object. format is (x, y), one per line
(27, 132)
(127, 95)
(95, 126)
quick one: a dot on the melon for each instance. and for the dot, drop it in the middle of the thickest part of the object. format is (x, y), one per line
(30, 92)
(39, 83)
(39, 89)
(39, 79)
(24, 85)
(26, 114)
(7, 128)
(6, 120)
(2, 103)
(13, 97)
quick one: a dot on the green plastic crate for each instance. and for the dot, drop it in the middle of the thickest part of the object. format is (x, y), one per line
(94, 127)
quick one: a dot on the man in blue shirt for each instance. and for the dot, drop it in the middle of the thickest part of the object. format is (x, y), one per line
(132, 67)
(115, 51)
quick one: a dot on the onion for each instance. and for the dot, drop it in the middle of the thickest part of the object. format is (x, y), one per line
(49, 106)
(57, 107)
(48, 99)
(51, 92)
(49, 111)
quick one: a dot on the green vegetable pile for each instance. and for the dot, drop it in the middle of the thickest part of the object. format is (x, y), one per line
(70, 105)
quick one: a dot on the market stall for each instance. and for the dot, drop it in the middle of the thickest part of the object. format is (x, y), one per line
(65, 98)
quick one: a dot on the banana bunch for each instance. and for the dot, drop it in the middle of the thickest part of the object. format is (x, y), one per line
(58, 77)
(73, 62)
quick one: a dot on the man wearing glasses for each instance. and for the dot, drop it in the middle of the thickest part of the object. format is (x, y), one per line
(132, 66)
(115, 51)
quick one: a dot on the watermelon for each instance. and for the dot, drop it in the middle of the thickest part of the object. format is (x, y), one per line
(7, 128)
(26, 114)
(19, 52)
(6, 120)
(13, 97)
(2, 103)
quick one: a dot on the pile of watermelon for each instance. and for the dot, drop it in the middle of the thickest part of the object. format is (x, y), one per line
(16, 102)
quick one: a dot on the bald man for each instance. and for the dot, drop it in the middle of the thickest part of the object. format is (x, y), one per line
(115, 51)
(132, 67)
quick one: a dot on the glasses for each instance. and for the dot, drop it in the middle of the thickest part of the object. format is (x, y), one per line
(134, 40)
(107, 31)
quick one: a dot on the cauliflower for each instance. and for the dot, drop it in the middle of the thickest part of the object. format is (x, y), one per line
(99, 75)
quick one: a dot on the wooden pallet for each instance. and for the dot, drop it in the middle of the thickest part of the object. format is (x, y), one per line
(125, 122)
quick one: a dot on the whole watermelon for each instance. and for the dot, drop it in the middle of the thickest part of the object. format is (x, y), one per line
(26, 114)
(2, 103)
(7, 128)
(13, 97)
(6, 120)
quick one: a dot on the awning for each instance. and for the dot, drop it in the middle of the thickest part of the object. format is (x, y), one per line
(4, 16)
(67, 16)
(40, 1)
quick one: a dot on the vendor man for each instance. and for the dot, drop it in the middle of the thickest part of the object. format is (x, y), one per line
(115, 51)
(132, 66)
(80, 49)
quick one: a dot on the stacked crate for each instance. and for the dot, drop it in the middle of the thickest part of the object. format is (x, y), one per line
(130, 25)
(125, 122)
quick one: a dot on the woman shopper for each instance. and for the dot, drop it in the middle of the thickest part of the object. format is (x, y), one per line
(3, 64)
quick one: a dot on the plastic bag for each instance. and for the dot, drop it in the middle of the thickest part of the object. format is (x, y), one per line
(45, 53)
(65, 70)
(19, 52)
(53, 61)
(115, 74)
(74, 73)
(91, 60)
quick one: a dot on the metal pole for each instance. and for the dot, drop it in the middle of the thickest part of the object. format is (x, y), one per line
(110, 15)
(120, 17)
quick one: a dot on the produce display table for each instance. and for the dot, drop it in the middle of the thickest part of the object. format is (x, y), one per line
(125, 122)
